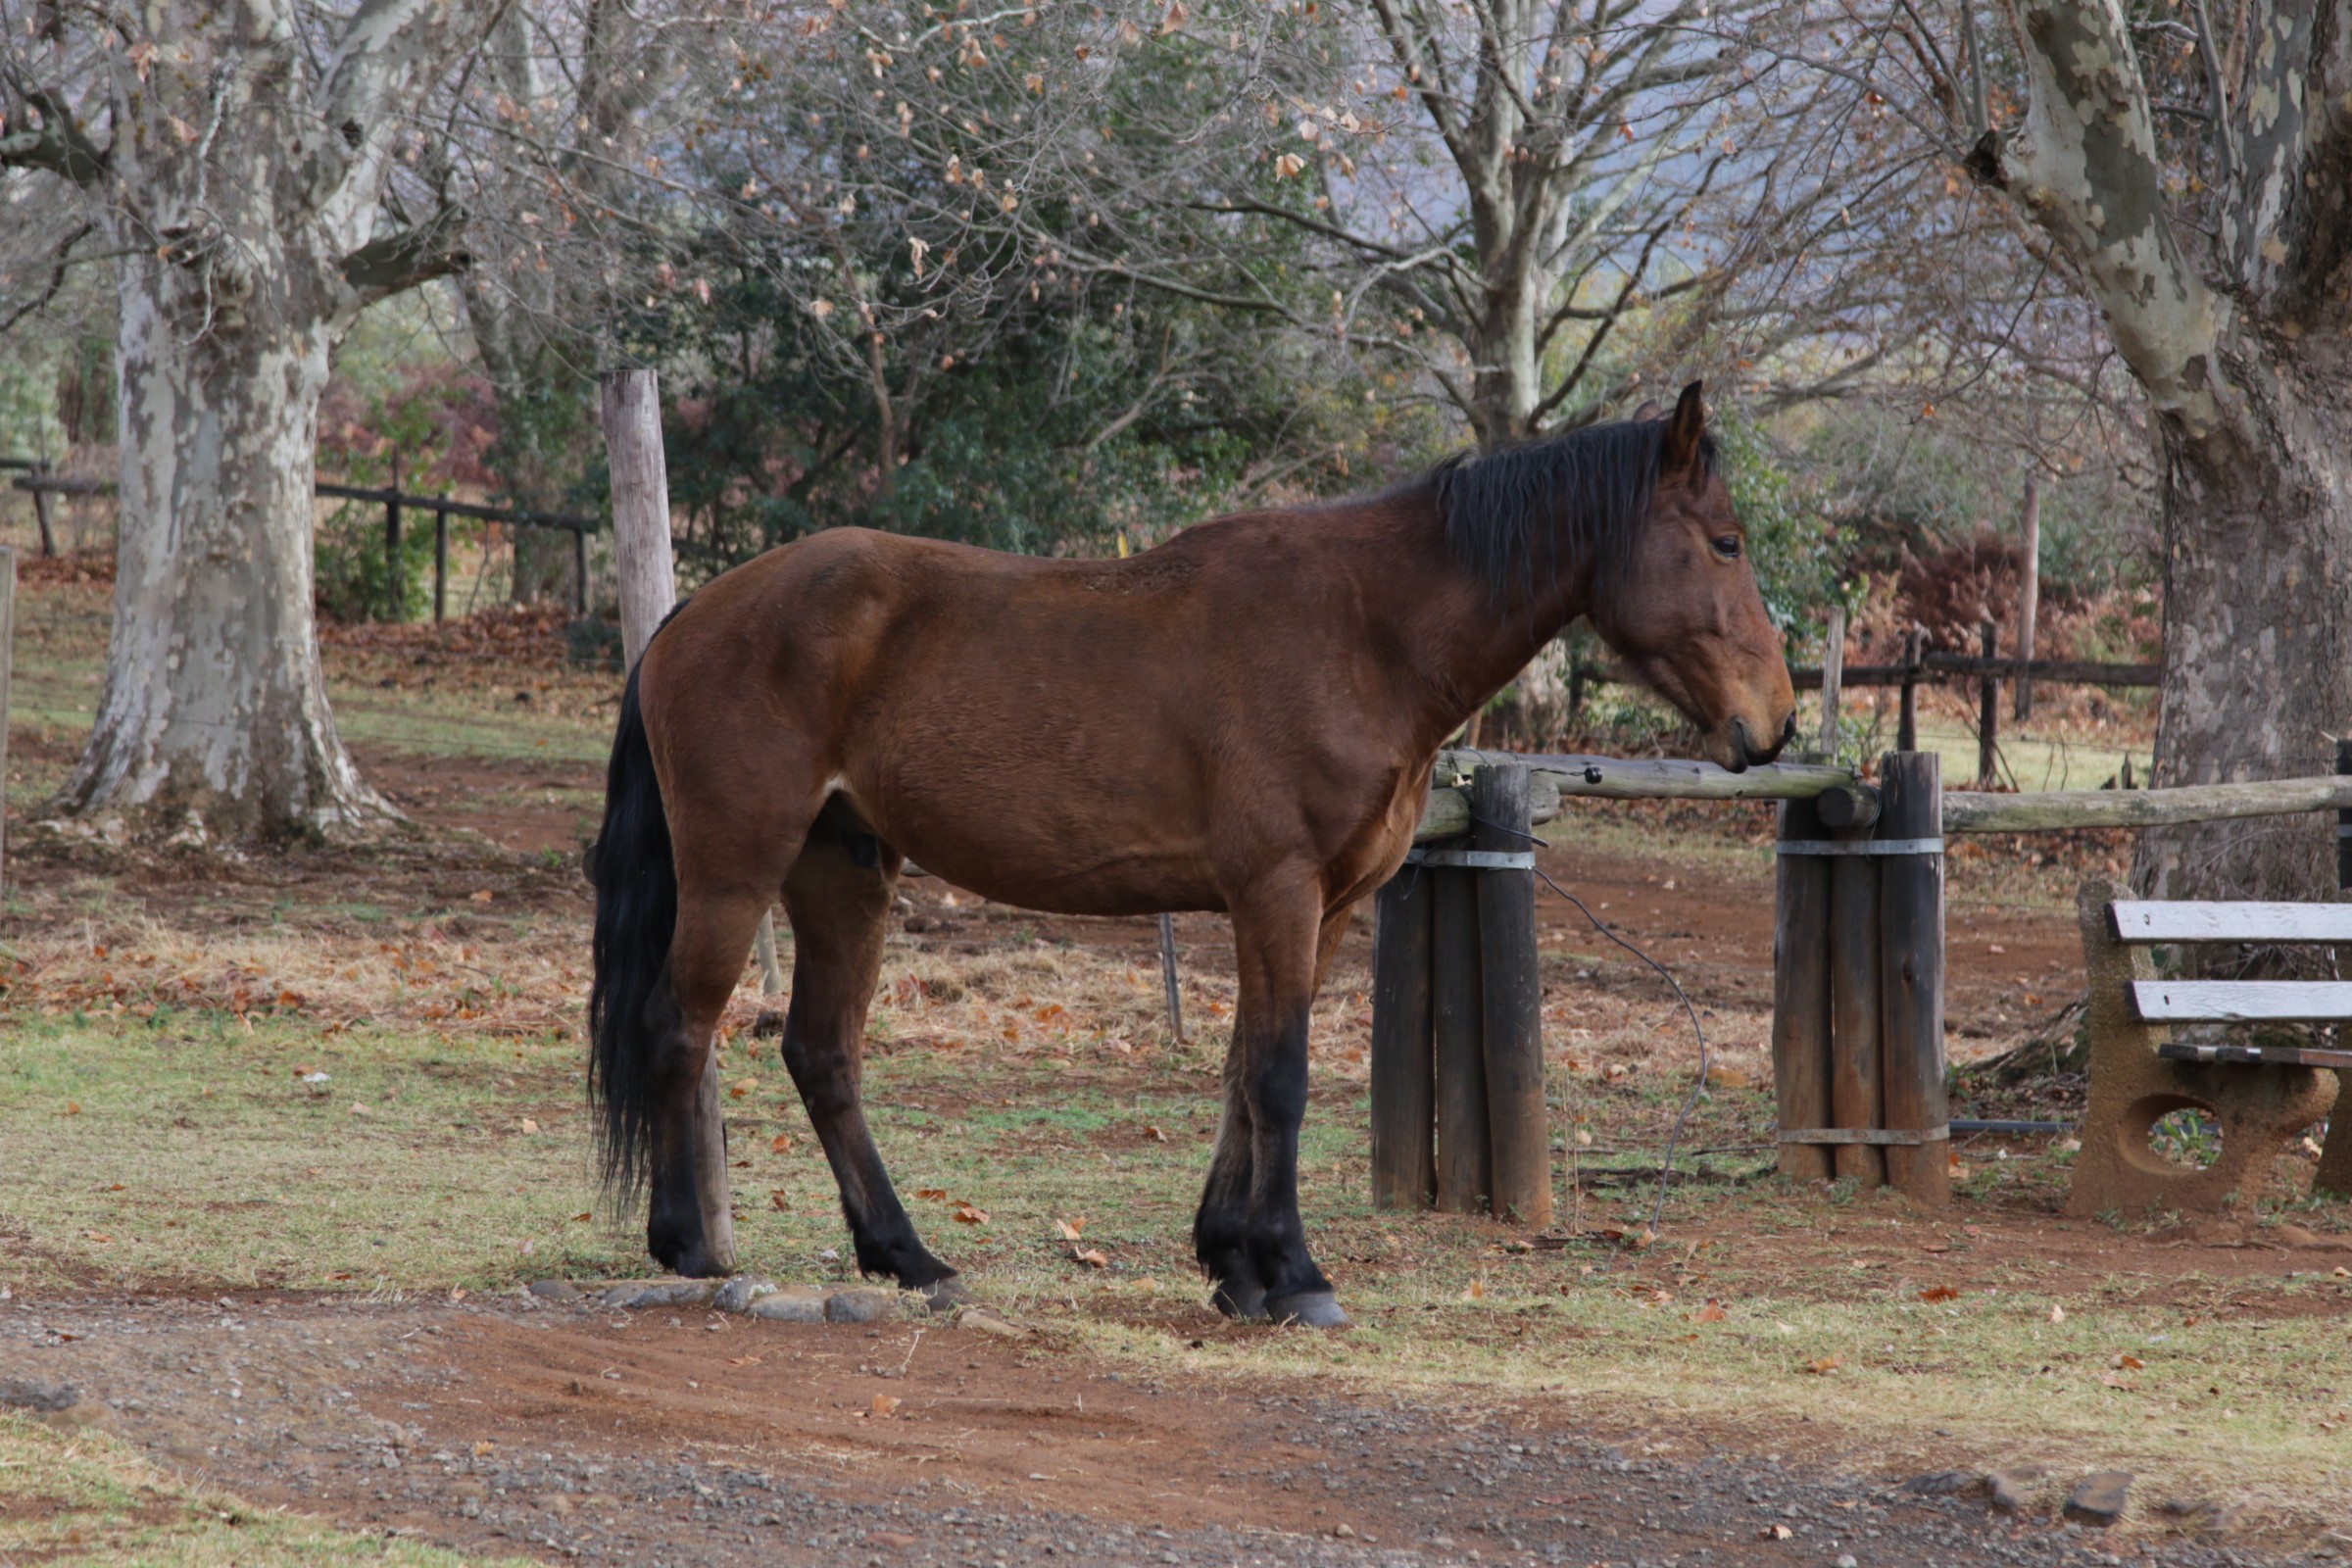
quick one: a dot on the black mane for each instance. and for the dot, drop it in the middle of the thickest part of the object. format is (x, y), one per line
(1519, 516)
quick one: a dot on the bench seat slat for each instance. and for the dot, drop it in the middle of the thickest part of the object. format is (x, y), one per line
(2227, 1000)
(2141, 921)
(2258, 1056)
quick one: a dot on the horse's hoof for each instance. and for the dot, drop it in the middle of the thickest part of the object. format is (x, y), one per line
(1315, 1309)
(692, 1263)
(1244, 1303)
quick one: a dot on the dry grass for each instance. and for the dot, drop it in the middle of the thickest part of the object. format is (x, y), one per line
(82, 1497)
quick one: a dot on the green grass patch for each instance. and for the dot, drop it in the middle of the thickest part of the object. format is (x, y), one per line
(84, 1498)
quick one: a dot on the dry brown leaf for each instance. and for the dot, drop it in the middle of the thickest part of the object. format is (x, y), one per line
(583, 1216)
(1712, 1312)
(970, 1215)
(1824, 1365)
(529, 1126)
(1091, 1258)
(2128, 1363)
(781, 1143)
(1070, 1229)
(778, 1200)
(936, 1194)
(1775, 1533)
(1939, 1293)
(2057, 1313)
(744, 1360)
(1155, 1134)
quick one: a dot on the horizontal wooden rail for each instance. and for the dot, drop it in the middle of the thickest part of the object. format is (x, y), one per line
(522, 517)
(1975, 812)
(1612, 778)
(1939, 667)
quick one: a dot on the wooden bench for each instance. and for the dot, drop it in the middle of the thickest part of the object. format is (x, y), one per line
(2263, 1095)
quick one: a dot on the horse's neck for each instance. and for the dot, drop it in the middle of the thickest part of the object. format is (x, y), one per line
(1464, 643)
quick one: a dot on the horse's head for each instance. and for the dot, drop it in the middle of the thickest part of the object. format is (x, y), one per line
(1685, 615)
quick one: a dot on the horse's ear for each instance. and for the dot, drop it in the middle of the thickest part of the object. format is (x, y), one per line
(1685, 432)
(1648, 411)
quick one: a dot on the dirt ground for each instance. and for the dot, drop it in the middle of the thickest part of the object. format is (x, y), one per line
(561, 1432)
(497, 1425)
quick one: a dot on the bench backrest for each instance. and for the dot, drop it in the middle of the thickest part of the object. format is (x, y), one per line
(2236, 1001)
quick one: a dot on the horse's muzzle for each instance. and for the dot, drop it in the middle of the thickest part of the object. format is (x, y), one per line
(1746, 754)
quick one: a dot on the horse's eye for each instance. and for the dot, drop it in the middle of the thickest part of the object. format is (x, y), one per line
(1727, 547)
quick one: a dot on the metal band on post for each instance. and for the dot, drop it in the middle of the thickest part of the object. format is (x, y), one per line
(1474, 859)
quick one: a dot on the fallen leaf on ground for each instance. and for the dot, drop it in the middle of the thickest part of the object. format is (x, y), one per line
(1775, 1533)
(2128, 1363)
(1823, 1366)
(1071, 1228)
(481, 896)
(1155, 1134)
(970, 1215)
(529, 1126)
(745, 1360)
(2057, 1313)
(1712, 1312)
(781, 1143)
(1939, 1293)
(936, 1194)
(1091, 1258)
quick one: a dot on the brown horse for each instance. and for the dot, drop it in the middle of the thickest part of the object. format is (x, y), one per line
(1242, 720)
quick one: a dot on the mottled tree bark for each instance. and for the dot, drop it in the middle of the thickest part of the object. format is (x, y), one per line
(2241, 340)
(241, 189)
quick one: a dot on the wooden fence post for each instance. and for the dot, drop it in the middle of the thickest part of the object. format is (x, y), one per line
(1906, 727)
(1989, 711)
(440, 566)
(1457, 1043)
(1833, 680)
(8, 659)
(1800, 992)
(1856, 1093)
(2028, 591)
(1167, 975)
(649, 586)
(396, 598)
(40, 511)
(1405, 1170)
(1511, 996)
(580, 572)
(2343, 821)
(1911, 975)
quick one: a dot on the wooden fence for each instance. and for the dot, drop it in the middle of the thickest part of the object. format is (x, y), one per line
(41, 484)
(1858, 959)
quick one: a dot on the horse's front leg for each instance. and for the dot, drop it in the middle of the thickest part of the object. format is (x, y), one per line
(1248, 1234)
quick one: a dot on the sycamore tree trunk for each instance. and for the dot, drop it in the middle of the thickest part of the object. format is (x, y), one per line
(2237, 327)
(2258, 621)
(241, 188)
(214, 723)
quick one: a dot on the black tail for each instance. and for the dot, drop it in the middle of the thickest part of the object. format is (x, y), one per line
(636, 913)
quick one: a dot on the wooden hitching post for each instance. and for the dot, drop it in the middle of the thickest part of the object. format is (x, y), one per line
(1911, 975)
(1404, 1171)
(1856, 1094)
(1511, 995)
(1800, 992)
(649, 586)
(1457, 1043)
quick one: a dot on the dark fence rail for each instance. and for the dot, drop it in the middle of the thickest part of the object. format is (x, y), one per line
(41, 484)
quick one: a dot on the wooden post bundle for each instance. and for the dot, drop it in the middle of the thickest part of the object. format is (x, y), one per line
(1857, 1097)
(649, 586)
(1518, 1131)
(1911, 974)
(1800, 991)
(1405, 1170)
(1457, 1043)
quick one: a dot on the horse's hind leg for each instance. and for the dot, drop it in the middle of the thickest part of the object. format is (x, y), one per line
(716, 919)
(837, 897)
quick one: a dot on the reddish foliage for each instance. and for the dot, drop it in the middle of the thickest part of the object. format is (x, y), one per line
(73, 568)
(530, 636)
(1953, 591)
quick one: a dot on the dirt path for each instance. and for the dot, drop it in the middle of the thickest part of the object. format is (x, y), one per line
(570, 1433)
